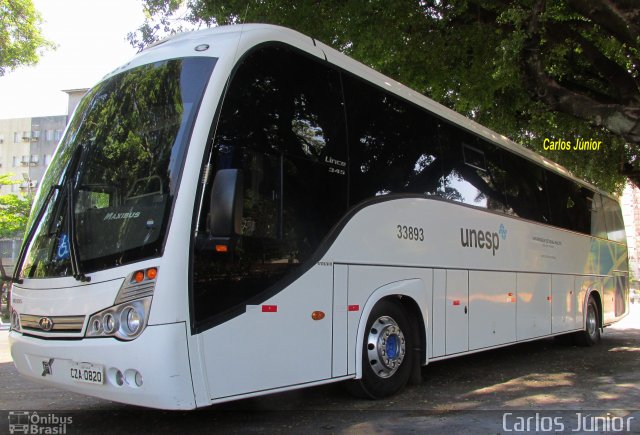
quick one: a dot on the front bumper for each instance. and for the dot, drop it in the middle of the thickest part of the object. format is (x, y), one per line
(159, 354)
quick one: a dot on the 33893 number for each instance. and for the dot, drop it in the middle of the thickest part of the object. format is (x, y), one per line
(410, 233)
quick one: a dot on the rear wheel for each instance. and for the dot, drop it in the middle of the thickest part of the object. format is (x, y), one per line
(591, 333)
(387, 354)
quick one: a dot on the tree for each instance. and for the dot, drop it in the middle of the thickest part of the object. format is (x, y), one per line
(14, 210)
(528, 69)
(20, 35)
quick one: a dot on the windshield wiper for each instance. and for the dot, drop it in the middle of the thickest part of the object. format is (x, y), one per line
(76, 269)
(74, 166)
(66, 190)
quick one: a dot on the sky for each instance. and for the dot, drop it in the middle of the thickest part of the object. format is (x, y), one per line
(91, 39)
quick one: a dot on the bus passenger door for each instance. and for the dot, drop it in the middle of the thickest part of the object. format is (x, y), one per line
(457, 318)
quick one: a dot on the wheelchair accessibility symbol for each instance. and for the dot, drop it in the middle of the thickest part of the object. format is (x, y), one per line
(63, 252)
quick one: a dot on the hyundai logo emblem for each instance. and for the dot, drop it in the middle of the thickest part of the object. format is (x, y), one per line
(45, 324)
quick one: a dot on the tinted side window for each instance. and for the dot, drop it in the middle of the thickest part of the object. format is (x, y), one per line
(571, 204)
(472, 173)
(525, 188)
(393, 145)
(282, 124)
(613, 218)
(598, 224)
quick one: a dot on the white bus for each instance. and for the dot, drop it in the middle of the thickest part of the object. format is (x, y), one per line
(243, 210)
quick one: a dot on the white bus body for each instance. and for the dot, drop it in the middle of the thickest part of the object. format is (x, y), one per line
(465, 278)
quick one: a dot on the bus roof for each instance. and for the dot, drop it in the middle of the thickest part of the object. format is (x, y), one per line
(243, 37)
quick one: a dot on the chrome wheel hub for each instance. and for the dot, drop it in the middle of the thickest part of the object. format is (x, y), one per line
(591, 320)
(385, 347)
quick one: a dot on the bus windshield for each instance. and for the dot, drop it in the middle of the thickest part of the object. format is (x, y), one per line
(110, 188)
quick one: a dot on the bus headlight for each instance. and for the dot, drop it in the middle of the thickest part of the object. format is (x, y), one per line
(125, 321)
(132, 319)
(109, 323)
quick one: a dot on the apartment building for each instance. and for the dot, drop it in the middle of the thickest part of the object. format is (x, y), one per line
(27, 145)
(26, 148)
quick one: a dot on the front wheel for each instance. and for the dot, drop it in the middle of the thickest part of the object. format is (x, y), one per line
(591, 333)
(387, 354)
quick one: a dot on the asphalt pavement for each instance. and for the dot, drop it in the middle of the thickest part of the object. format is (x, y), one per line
(534, 387)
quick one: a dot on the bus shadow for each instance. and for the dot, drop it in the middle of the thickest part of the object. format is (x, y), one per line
(540, 375)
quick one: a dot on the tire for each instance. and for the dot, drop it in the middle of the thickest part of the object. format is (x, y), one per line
(591, 333)
(387, 352)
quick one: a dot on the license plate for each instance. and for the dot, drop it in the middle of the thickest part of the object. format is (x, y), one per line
(86, 372)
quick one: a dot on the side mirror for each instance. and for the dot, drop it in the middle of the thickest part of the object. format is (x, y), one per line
(225, 209)
(224, 221)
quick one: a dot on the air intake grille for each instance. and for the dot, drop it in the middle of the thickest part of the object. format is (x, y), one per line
(131, 292)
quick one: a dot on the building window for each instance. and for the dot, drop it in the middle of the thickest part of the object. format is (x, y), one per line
(16, 137)
(16, 161)
(35, 135)
(47, 159)
(48, 135)
(58, 135)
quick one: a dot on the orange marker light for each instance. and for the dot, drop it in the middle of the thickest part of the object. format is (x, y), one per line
(222, 248)
(152, 273)
(317, 315)
(138, 276)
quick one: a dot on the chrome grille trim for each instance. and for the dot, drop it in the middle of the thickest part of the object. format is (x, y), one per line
(60, 323)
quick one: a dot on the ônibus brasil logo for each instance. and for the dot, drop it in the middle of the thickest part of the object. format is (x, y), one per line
(483, 239)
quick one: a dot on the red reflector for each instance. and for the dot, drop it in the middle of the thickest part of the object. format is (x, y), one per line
(456, 302)
(510, 294)
(317, 315)
(548, 298)
(513, 299)
(269, 308)
(354, 308)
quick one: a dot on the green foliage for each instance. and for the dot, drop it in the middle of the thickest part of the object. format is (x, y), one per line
(21, 41)
(528, 69)
(14, 210)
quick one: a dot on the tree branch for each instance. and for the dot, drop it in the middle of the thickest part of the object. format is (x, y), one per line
(612, 17)
(618, 118)
(626, 87)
